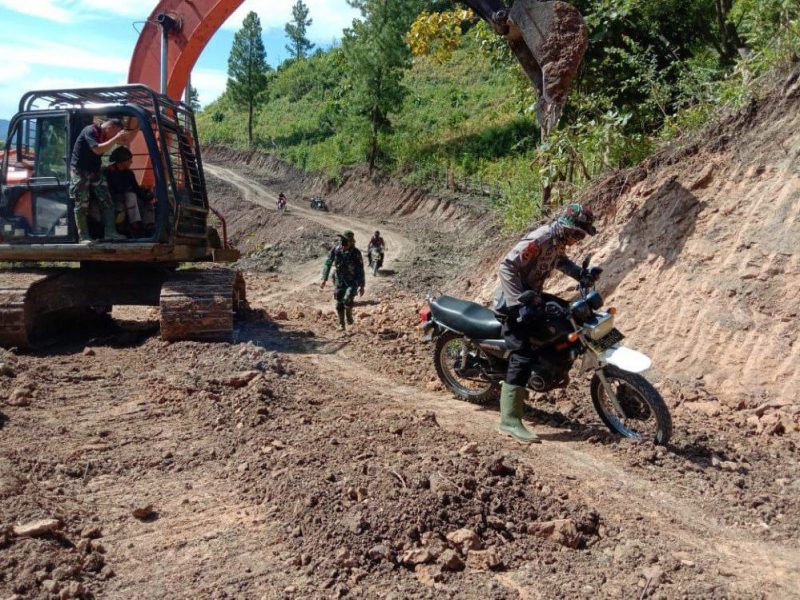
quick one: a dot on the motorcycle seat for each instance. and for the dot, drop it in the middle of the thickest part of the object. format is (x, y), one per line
(473, 320)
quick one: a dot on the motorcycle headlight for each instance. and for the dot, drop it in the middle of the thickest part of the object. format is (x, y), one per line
(594, 300)
(580, 310)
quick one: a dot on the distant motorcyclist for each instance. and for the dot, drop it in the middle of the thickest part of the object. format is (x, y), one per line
(525, 268)
(349, 276)
(281, 202)
(377, 242)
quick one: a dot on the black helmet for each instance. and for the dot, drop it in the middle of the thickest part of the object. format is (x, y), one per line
(377, 233)
(119, 155)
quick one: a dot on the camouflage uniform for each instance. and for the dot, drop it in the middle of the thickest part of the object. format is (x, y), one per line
(348, 278)
(81, 186)
(527, 267)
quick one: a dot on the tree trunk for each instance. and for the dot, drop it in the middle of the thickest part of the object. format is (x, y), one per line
(373, 150)
(250, 125)
(729, 40)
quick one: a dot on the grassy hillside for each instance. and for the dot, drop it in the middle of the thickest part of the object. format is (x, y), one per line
(465, 123)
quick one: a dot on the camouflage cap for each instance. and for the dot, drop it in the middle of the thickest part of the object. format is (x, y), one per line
(347, 235)
(579, 219)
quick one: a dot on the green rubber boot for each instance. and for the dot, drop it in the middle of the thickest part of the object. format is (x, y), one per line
(511, 405)
(348, 313)
(340, 312)
(110, 226)
(82, 225)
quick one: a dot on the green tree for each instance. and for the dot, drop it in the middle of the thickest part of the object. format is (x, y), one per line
(194, 98)
(377, 57)
(248, 69)
(299, 45)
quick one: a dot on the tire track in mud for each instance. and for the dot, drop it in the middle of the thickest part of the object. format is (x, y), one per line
(756, 567)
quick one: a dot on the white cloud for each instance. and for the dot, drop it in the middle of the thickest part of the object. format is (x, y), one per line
(209, 83)
(330, 16)
(45, 9)
(51, 54)
(47, 65)
(11, 94)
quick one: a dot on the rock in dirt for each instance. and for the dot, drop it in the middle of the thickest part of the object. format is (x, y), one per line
(88, 352)
(560, 531)
(20, 396)
(37, 528)
(469, 449)
(6, 370)
(496, 466)
(485, 560)
(239, 380)
(464, 540)
(380, 553)
(416, 556)
(144, 512)
(451, 561)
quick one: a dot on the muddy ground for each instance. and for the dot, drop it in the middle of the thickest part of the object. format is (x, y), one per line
(302, 463)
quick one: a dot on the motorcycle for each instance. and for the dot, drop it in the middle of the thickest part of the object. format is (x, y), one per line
(375, 259)
(281, 205)
(471, 357)
(318, 204)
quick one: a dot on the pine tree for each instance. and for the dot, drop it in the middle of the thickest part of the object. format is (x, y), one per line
(377, 56)
(248, 68)
(194, 98)
(299, 45)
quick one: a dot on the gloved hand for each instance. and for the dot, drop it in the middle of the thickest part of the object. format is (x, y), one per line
(527, 313)
(589, 276)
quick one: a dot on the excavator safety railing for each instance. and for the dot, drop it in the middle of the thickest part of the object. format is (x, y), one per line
(175, 129)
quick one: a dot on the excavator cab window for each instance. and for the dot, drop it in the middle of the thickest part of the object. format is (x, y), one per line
(34, 201)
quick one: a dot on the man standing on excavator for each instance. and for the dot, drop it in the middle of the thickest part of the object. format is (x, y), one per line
(349, 276)
(86, 175)
(524, 269)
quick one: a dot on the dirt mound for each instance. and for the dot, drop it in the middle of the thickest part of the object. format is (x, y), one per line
(701, 256)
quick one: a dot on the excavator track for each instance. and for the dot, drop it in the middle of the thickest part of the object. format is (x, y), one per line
(18, 306)
(200, 304)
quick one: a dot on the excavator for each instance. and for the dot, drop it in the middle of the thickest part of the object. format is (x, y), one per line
(50, 277)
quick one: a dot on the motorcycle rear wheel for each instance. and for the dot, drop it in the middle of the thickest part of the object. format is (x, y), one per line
(647, 417)
(447, 350)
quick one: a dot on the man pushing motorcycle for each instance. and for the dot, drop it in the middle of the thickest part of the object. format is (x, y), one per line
(525, 269)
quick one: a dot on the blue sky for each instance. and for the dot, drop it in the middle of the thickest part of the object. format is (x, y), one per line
(49, 44)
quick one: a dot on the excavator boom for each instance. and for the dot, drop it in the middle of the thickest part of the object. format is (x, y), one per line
(548, 39)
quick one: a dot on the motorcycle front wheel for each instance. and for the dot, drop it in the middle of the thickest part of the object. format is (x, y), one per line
(375, 269)
(469, 384)
(644, 417)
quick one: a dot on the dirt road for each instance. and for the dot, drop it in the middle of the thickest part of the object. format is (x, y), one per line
(300, 463)
(678, 515)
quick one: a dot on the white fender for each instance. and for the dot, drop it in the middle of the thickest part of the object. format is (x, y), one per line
(626, 359)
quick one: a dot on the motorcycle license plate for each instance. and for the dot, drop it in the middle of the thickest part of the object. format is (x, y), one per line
(604, 343)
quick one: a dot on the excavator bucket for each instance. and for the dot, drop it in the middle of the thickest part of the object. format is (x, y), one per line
(549, 40)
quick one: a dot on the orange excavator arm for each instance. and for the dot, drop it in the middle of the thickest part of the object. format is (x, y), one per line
(190, 25)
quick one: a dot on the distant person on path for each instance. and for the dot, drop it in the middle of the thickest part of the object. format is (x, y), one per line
(86, 175)
(348, 277)
(525, 268)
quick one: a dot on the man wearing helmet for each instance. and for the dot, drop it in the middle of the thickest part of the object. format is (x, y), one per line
(377, 242)
(348, 278)
(526, 268)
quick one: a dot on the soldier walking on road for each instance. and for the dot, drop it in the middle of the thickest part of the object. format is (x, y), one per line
(348, 278)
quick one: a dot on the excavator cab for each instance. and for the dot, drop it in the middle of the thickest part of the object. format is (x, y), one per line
(37, 221)
(36, 213)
